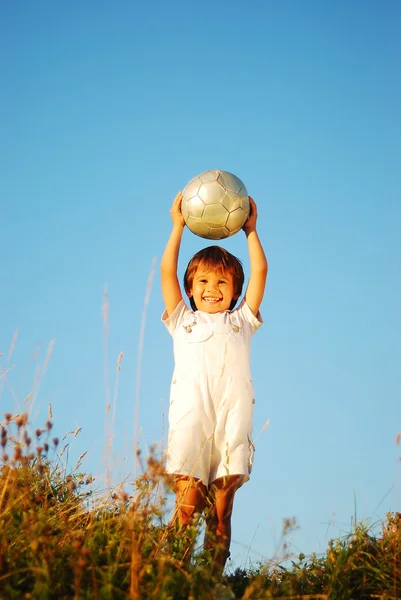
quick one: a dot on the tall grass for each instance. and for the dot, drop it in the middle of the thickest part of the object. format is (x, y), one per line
(59, 538)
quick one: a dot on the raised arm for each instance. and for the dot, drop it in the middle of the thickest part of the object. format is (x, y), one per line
(257, 260)
(168, 267)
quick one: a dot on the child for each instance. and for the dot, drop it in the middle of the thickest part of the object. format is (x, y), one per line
(210, 449)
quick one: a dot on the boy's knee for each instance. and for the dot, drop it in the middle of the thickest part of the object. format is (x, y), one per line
(223, 526)
(186, 514)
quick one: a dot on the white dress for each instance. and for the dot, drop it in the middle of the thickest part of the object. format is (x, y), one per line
(211, 401)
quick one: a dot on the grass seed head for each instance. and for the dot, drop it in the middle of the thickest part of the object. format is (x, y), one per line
(22, 420)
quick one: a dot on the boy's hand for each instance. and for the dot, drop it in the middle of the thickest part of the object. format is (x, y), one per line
(175, 211)
(250, 224)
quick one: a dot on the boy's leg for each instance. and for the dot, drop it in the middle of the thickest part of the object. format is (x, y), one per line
(218, 519)
(190, 498)
(190, 501)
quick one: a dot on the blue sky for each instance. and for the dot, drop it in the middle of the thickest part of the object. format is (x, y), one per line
(107, 110)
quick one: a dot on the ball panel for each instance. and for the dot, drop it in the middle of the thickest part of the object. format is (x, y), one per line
(215, 215)
(195, 207)
(230, 181)
(209, 176)
(218, 233)
(211, 192)
(236, 220)
(231, 201)
(198, 227)
(192, 188)
(244, 203)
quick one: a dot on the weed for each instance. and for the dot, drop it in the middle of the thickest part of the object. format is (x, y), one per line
(59, 538)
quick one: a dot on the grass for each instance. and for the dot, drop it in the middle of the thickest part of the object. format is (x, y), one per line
(59, 538)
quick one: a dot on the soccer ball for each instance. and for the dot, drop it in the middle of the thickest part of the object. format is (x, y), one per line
(215, 204)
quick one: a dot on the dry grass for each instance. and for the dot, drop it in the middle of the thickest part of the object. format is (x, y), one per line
(61, 539)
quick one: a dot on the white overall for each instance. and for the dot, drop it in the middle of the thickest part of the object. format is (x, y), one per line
(211, 402)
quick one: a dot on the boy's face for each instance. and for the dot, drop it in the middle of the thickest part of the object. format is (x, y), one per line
(212, 291)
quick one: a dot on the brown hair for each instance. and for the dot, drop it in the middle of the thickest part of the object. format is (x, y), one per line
(214, 257)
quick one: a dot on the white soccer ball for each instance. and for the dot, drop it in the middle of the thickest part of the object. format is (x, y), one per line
(215, 204)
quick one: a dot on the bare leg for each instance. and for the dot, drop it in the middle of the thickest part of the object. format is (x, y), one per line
(189, 501)
(218, 519)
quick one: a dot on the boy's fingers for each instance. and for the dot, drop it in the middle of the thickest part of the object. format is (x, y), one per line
(253, 208)
(177, 200)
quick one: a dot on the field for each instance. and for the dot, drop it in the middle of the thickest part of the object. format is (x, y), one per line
(62, 538)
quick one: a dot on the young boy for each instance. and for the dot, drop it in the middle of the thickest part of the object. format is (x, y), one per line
(210, 450)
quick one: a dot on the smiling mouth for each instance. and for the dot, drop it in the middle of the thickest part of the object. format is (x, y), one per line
(211, 300)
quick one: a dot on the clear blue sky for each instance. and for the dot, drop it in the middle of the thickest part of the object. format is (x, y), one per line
(107, 110)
